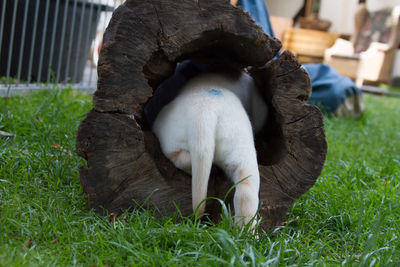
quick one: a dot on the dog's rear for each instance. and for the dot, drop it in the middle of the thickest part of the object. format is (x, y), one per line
(208, 124)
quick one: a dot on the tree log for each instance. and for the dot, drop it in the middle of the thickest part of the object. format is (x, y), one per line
(142, 45)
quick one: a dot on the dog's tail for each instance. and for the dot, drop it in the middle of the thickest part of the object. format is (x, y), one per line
(201, 133)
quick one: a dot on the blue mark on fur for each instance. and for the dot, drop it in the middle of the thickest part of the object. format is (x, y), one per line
(216, 92)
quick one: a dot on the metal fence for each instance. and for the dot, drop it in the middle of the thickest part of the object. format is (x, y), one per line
(46, 43)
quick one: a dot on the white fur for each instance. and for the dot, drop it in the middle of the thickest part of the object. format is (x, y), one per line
(207, 123)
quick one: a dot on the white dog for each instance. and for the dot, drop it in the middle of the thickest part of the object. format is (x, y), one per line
(208, 122)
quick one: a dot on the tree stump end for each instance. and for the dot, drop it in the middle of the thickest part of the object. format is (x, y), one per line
(142, 45)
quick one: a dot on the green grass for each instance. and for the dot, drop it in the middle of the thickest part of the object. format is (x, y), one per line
(351, 216)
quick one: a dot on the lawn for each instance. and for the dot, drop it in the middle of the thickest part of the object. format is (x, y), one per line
(350, 217)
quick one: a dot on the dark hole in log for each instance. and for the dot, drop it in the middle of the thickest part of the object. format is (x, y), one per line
(270, 142)
(220, 46)
(214, 49)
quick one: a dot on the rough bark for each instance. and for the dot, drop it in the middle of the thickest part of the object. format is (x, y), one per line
(141, 46)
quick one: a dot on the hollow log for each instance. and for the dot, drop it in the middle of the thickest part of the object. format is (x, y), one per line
(142, 45)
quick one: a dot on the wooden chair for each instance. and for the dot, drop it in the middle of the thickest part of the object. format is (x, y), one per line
(369, 55)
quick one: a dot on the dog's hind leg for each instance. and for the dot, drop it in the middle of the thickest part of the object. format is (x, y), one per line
(245, 199)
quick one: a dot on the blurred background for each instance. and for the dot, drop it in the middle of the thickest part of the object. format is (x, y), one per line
(311, 28)
(57, 42)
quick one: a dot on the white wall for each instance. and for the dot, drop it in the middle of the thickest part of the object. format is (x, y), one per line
(379, 4)
(284, 8)
(340, 13)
